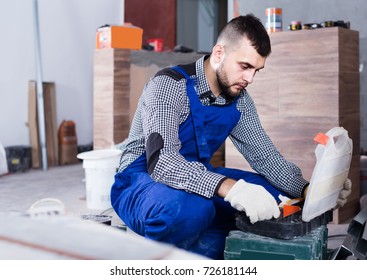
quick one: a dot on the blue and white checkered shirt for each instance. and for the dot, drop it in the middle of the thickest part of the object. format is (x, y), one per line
(164, 105)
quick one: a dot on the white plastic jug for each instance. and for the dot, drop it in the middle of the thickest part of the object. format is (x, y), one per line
(329, 174)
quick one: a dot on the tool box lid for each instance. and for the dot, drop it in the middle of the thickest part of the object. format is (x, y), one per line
(333, 158)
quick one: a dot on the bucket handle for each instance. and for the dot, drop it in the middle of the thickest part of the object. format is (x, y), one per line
(46, 207)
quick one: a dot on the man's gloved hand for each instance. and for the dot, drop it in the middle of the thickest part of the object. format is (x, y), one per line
(254, 200)
(344, 193)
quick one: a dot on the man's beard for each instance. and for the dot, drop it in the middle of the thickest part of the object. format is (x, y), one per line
(223, 83)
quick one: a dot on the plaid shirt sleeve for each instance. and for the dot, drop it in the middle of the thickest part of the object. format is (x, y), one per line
(255, 145)
(164, 107)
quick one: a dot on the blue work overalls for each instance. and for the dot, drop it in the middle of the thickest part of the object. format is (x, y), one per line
(187, 220)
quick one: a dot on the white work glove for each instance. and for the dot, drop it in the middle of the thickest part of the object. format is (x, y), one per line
(257, 202)
(344, 193)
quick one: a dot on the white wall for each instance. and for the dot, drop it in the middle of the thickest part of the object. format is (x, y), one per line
(67, 31)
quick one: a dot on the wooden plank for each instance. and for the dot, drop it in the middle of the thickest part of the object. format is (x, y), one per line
(52, 150)
(52, 146)
(33, 125)
(111, 97)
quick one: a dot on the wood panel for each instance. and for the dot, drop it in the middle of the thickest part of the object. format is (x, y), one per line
(309, 85)
(49, 104)
(111, 97)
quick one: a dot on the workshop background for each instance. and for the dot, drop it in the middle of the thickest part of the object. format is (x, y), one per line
(67, 31)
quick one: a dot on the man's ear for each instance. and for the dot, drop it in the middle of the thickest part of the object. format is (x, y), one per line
(217, 56)
(218, 53)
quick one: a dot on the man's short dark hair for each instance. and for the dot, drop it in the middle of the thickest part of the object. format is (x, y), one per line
(249, 26)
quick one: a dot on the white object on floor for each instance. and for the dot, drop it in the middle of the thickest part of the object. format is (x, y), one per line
(46, 207)
(100, 169)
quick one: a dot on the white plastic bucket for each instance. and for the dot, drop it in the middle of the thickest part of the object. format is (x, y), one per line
(100, 168)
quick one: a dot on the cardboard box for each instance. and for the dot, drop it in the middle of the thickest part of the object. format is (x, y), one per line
(120, 37)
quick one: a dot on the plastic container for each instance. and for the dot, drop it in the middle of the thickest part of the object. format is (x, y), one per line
(18, 158)
(100, 168)
(329, 174)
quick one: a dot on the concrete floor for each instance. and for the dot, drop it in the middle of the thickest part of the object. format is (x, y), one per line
(18, 191)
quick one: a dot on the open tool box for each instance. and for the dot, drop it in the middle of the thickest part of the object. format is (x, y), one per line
(333, 158)
(283, 228)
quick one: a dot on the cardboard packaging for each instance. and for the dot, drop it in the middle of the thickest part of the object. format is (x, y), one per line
(120, 37)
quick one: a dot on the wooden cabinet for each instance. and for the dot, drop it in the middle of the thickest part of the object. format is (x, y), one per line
(310, 84)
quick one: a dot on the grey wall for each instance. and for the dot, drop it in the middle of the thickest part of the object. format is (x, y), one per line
(307, 11)
(67, 30)
(187, 22)
(197, 24)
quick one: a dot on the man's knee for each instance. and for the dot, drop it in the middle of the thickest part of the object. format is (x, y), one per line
(179, 224)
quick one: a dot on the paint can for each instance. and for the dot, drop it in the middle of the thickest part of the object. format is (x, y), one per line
(295, 25)
(274, 21)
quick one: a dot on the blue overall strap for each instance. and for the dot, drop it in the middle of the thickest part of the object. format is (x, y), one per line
(196, 114)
